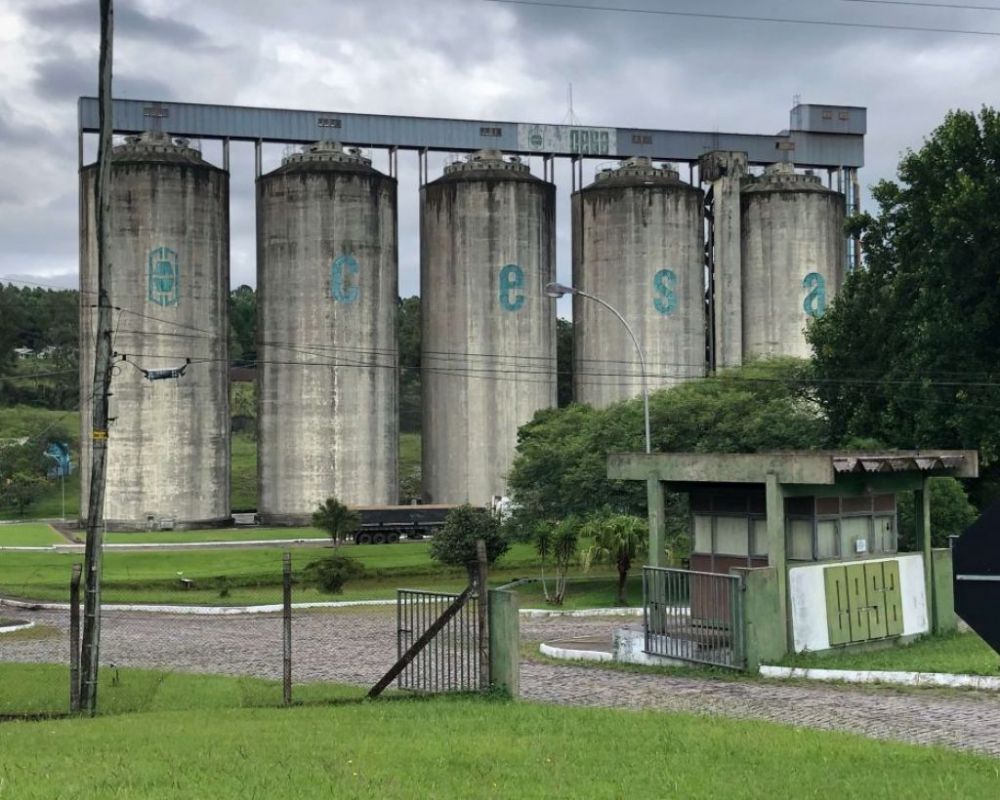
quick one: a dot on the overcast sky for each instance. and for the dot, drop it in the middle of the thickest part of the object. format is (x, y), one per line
(460, 58)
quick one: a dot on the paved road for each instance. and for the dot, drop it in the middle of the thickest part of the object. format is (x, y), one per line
(358, 645)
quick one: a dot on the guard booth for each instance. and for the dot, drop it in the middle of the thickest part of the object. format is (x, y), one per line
(792, 551)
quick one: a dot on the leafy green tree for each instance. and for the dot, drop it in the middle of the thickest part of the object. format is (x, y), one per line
(561, 544)
(564, 362)
(409, 339)
(243, 325)
(455, 544)
(21, 490)
(618, 539)
(336, 519)
(561, 463)
(951, 513)
(908, 351)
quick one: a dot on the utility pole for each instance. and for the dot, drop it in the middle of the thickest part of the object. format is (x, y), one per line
(102, 381)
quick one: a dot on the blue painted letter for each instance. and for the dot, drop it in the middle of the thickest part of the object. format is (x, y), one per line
(164, 284)
(339, 289)
(815, 303)
(511, 279)
(664, 282)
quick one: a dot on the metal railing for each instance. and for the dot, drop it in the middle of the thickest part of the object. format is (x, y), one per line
(694, 616)
(450, 662)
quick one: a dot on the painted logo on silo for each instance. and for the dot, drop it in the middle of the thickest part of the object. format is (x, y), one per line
(164, 286)
(511, 279)
(342, 289)
(664, 296)
(815, 303)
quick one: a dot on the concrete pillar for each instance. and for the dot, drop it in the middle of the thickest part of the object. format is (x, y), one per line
(922, 515)
(724, 171)
(505, 642)
(657, 521)
(776, 549)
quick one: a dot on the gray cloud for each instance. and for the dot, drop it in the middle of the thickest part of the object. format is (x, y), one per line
(63, 75)
(129, 21)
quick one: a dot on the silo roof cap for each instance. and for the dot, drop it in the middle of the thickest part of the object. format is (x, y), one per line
(156, 146)
(487, 160)
(329, 152)
(783, 176)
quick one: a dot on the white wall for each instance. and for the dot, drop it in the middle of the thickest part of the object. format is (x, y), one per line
(807, 601)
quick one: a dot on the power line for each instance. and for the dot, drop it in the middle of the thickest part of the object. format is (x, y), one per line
(744, 18)
(961, 7)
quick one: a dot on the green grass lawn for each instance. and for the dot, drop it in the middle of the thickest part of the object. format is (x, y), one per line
(243, 490)
(599, 590)
(238, 577)
(217, 535)
(453, 747)
(29, 534)
(962, 653)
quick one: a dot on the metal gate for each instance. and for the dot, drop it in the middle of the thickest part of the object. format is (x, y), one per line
(450, 661)
(694, 616)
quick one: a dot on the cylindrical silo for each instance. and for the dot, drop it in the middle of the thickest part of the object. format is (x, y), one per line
(487, 249)
(327, 400)
(793, 258)
(637, 245)
(168, 441)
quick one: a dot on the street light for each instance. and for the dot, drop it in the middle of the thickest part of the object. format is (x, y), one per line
(558, 290)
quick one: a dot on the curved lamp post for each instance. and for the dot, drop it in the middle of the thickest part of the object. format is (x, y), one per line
(558, 290)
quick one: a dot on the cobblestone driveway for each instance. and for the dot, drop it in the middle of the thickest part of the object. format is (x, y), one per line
(358, 645)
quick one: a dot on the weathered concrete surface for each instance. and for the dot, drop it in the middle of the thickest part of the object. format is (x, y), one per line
(725, 171)
(168, 446)
(327, 278)
(487, 250)
(792, 254)
(359, 645)
(637, 245)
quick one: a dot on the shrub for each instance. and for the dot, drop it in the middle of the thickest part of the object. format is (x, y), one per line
(329, 574)
(455, 544)
(336, 519)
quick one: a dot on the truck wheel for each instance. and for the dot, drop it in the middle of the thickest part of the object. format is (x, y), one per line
(393, 538)
(378, 538)
(364, 538)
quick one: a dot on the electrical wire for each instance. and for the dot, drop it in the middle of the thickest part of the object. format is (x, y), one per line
(744, 17)
(961, 7)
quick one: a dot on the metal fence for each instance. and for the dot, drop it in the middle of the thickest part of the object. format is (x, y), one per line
(450, 662)
(694, 616)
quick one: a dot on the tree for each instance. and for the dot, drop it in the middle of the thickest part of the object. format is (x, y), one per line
(561, 544)
(455, 544)
(951, 513)
(409, 338)
(619, 539)
(564, 362)
(908, 351)
(336, 519)
(243, 325)
(22, 489)
(561, 463)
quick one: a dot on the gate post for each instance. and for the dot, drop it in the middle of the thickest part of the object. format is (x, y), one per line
(505, 641)
(482, 607)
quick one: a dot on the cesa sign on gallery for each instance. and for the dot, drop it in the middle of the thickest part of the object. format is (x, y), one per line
(567, 139)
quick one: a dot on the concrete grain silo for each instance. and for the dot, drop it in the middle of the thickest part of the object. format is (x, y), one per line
(326, 320)
(168, 441)
(489, 348)
(637, 245)
(792, 256)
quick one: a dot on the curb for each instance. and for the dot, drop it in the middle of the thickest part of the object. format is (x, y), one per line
(899, 678)
(272, 608)
(569, 654)
(138, 546)
(21, 626)
(541, 613)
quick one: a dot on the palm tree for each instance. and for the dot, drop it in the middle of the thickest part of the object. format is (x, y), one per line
(617, 538)
(336, 519)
